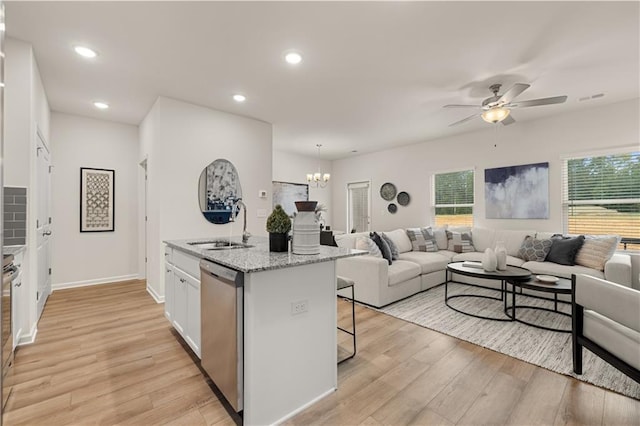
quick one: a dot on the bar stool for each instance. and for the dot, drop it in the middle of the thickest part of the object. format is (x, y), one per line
(343, 283)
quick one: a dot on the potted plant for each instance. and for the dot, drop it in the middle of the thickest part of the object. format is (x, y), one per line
(278, 226)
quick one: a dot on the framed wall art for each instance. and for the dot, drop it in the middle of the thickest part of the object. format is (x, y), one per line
(287, 193)
(517, 192)
(97, 200)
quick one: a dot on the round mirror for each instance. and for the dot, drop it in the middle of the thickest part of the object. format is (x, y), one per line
(219, 191)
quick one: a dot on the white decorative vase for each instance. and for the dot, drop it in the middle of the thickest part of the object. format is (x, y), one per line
(501, 256)
(489, 261)
(306, 233)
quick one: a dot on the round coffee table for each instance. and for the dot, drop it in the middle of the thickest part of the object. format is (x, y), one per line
(562, 286)
(511, 274)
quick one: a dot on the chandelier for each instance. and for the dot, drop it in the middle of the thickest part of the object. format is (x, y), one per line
(318, 179)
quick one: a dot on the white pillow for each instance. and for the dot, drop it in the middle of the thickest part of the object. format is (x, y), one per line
(483, 238)
(597, 250)
(441, 236)
(400, 239)
(366, 243)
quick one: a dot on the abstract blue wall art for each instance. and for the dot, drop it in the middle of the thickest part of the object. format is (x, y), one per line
(517, 192)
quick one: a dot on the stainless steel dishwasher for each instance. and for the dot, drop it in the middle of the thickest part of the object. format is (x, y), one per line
(221, 320)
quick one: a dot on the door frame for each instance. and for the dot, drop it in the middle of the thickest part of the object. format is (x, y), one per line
(348, 222)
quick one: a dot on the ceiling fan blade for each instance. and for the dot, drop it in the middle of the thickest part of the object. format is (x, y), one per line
(508, 120)
(537, 102)
(461, 106)
(464, 120)
(512, 93)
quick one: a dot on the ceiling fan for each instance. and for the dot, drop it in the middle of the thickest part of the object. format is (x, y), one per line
(497, 108)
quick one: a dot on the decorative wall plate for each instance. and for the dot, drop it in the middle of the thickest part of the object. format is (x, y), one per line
(403, 198)
(392, 208)
(388, 191)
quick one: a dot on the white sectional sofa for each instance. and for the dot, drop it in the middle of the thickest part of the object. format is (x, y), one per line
(378, 284)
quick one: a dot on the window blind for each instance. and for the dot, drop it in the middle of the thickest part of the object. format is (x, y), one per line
(453, 198)
(359, 206)
(601, 195)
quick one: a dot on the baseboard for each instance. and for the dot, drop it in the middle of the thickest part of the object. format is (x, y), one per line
(97, 281)
(27, 339)
(156, 296)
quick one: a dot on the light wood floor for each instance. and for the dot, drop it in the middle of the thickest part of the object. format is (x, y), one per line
(106, 355)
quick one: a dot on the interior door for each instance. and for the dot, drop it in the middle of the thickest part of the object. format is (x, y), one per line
(358, 207)
(43, 224)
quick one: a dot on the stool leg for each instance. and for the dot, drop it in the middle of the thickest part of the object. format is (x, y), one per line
(353, 316)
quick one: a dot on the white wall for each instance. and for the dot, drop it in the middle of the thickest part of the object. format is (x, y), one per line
(80, 258)
(288, 167)
(411, 168)
(179, 140)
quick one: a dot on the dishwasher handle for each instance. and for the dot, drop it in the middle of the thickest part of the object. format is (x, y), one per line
(223, 273)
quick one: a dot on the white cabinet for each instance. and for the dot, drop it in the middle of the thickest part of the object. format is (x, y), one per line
(17, 295)
(182, 295)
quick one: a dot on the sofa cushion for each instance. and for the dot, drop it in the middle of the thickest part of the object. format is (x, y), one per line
(429, 262)
(382, 245)
(596, 250)
(564, 249)
(534, 250)
(349, 240)
(460, 242)
(401, 271)
(563, 271)
(392, 246)
(476, 256)
(512, 239)
(440, 233)
(366, 243)
(400, 239)
(422, 239)
(448, 254)
(483, 238)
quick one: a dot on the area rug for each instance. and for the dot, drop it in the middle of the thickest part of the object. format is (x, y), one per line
(547, 349)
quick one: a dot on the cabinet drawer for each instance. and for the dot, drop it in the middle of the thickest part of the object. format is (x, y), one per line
(186, 262)
(168, 254)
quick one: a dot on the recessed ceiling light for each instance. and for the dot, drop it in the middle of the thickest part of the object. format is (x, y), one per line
(293, 58)
(101, 105)
(85, 52)
(239, 98)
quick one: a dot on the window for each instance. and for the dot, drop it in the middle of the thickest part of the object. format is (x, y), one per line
(453, 198)
(602, 196)
(358, 205)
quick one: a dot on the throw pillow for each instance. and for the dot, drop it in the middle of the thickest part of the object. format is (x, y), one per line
(564, 249)
(394, 249)
(441, 237)
(596, 251)
(382, 245)
(459, 242)
(534, 250)
(366, 243)
(422, 239)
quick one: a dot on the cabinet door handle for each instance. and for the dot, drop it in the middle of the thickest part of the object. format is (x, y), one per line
(45, 233)
(18, 284)
(168, 270)
(182, 280)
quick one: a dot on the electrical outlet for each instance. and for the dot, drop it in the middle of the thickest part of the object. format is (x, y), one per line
(299, 307)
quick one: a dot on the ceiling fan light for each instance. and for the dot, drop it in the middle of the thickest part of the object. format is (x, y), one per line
(495, 114)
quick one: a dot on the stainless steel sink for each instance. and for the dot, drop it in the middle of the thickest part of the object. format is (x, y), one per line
(219, 245)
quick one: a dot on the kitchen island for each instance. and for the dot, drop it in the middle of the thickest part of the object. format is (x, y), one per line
(287, 323)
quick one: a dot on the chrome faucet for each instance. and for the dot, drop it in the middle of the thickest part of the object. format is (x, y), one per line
(245, 234)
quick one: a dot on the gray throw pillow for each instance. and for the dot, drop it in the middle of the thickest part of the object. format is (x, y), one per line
(564, 249)
(459, 242)
(383, 246)
(422, 239)
(394, 249)
(534, 250)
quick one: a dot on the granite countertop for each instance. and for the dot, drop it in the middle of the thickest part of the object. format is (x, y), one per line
(259, 258)
(13, 249)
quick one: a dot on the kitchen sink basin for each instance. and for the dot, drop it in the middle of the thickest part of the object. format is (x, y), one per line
(219, 245)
